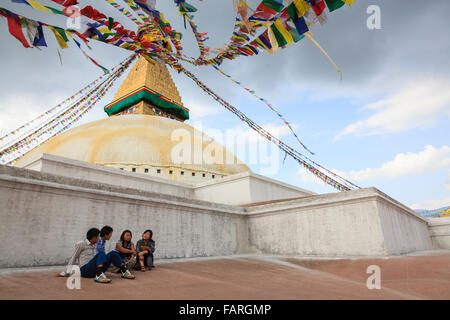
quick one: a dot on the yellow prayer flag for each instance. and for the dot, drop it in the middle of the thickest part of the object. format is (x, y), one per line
(272, 38)
(62, 43)
(38, 6)
(103, 29)
(349, 2)
(302, 7)
(286, 34)
(264, 46)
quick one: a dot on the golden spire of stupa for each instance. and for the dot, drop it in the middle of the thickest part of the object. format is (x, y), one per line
(148, 89)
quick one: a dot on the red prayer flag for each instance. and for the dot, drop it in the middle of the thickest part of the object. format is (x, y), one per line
(318, 7)
(15, 28)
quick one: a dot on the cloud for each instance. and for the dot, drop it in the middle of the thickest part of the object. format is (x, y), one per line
(431, 159)
(17, 110)
(242, 135)
(201, 110)
(419, 104)
(432, 204)
(279, 131)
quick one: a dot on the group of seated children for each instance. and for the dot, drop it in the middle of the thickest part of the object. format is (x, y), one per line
(93, 261)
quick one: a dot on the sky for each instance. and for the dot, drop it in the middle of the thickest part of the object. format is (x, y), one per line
(384, 125)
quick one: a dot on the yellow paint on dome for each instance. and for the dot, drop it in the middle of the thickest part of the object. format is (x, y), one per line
(139, 141)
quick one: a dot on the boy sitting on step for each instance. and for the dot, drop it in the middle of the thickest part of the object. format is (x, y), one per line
(94, 265)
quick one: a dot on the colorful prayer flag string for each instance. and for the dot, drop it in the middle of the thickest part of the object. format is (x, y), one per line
(282, 25)
(64, 119)
(342, 185)
(267, 104)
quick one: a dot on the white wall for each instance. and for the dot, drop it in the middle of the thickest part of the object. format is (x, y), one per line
(82, 170)
(246, 188)
(41, 221)
(356, 223)
(243, 188)
(404, 230)
(440, 232)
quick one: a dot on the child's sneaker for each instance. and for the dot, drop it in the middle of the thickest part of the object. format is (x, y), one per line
(102, 278)
(127, 275)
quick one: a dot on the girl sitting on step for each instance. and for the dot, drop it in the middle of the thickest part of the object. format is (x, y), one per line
(145, 248)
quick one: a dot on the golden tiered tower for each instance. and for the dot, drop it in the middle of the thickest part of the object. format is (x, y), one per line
(148, 89)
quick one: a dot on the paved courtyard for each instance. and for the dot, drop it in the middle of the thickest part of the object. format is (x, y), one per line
(249, 277)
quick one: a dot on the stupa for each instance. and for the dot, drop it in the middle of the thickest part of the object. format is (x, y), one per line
(138, 135)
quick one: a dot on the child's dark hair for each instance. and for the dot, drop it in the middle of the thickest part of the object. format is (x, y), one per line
(148, 230)
(92, 233)
(105, 231)
(123, 235)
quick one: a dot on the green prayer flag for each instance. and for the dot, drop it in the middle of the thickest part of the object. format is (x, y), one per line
(186, 7)
(295, 35)
(280, 39)
(62, 33)
(334, 4)
(291, 11)
(56, 11)
(274, 5)
(110, 23)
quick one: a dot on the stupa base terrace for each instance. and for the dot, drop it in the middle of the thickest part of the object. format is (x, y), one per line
(46, 210)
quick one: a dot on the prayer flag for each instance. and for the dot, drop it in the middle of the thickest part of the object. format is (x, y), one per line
(300, 25)
(318, 6)
(274, 5)
(301, 7)
(38, 6)
(15, 28)
(334, 4)
(283, 36)
(59, 36)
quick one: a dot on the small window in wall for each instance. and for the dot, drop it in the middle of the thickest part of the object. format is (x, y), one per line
(182, 173)
(170, 172)
(204, 175)
(213, 176)
(193, 174)
(133, 169)
(146, 170)
(158, 171)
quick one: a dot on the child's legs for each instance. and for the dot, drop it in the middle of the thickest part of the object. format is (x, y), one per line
(150, 259)
(142, 258)
(89, 270)
(131, 263)
(114, 258)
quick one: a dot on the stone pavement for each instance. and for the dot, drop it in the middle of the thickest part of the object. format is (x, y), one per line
(249, 277)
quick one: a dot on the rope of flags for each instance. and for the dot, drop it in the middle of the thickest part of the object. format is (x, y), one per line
(337, 182)
(51, 111)
(268, 104)
(284, 25)
(63, 120)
